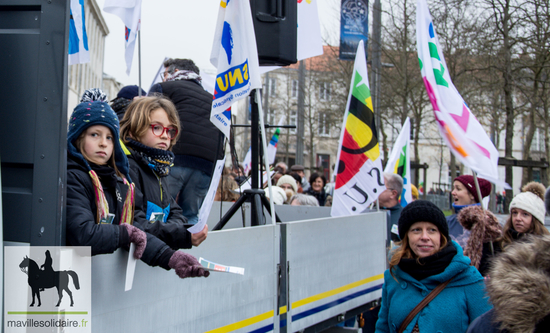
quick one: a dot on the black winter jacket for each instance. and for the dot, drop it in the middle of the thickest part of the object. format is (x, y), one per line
(155, 198)
(200, 142)
(82, 229)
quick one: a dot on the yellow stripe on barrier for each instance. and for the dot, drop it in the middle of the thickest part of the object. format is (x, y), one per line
(243, 323)
(332, 292)
(297, 304)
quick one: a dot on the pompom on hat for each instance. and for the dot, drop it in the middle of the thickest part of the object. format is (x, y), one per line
(92, 113)
(469, 183)
(531, 200)
(422, 211)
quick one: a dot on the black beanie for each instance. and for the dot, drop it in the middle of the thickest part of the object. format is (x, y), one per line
(422, 211)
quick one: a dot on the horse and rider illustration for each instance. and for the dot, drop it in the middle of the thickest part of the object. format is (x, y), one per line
(40, 279)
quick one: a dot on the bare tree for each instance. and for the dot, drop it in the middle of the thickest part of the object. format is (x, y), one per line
(533, 64)
(403, 92)
(504, 15)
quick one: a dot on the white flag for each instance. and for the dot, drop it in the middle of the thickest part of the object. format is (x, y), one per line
(310, 43)
(235, 55)
(247, 163)
(78, 38)
(274, 142)
(459, 128)
(359, 178)
(400, 161)
(129, 12)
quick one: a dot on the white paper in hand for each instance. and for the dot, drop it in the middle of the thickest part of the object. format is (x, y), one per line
(130, 268)
(209, 198)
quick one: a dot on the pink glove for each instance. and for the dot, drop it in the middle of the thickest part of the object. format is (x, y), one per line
(137, 237)
(186, 265)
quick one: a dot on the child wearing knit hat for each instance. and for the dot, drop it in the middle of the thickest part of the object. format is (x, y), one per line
(100, 192)
(527, 212)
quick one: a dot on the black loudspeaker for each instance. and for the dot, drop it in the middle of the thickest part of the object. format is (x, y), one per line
(275, 25)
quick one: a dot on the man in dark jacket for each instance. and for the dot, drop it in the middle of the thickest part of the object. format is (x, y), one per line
(200, 144)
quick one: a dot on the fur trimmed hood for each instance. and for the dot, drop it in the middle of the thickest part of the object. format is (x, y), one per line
(519, 284)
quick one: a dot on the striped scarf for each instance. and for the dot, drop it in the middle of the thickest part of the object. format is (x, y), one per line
(103, 206)
(184, 75)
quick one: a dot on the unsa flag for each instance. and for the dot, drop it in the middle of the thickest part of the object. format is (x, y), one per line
(359, 178)
(235, 56)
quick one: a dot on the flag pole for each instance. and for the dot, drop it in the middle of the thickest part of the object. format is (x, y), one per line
(266, 161)
(478, 191)
(481, 202)
(139, 61)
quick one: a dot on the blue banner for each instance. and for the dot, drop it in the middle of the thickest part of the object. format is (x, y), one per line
(354, 27)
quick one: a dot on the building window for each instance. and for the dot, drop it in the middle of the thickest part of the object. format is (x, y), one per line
(324, 91)
(324, 124)
(293, 121)
(538, 141)
(272, 87)
(270, 117)
(294, 88)
(323, 165)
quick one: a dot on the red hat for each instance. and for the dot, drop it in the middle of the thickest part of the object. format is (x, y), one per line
(468, 181)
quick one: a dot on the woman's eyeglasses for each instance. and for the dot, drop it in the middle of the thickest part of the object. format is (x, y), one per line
(158, 130)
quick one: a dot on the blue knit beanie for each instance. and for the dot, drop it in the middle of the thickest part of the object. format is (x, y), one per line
(88, 114)
(129, 92)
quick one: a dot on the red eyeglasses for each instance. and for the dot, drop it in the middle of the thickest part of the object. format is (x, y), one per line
(158, 130)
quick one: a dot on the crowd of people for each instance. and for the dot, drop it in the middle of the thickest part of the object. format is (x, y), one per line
(468, 272)
(289, 186)
(134, 177)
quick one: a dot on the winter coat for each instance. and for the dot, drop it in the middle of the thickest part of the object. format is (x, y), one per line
(519, 288)
(455, 229)
(155, 198)
(200, 143)
(395, 214)
(82, 229)
(462, 300)
(487, 256)
(320, 196)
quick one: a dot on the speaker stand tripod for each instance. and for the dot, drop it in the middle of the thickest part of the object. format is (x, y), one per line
(255, 195)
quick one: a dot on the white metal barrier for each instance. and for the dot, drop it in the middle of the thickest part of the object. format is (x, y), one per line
(327, 267)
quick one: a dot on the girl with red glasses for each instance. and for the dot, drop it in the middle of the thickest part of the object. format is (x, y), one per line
(149, 130)
(101, 195)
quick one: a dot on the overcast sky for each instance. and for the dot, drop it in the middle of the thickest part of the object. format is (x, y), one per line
(182, 29)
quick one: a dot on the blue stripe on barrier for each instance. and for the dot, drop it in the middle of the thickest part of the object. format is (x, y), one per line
(320, 308)
(264, 329)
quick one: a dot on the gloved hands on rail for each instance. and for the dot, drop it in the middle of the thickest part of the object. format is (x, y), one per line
(138, 237)
(186, 265)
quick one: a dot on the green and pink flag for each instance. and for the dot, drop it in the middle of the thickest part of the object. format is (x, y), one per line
(400, 161)
(460, 129)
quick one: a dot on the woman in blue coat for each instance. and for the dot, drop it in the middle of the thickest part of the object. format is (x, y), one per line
(425, 259)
